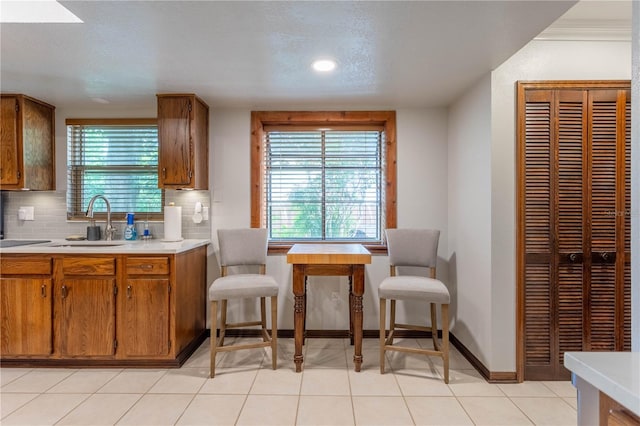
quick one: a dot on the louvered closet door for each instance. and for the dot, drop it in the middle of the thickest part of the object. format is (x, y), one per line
(571, 223)
(576, 190)
(609, 301)
(539, 220)
(624, 265)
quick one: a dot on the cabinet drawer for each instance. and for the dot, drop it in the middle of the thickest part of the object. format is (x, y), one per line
(25, 266)
(88, 265)
(147, 265)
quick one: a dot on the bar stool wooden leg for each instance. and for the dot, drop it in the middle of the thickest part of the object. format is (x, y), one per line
(434, 326)
(263, 318)
(223, 322)
(213, 338)
(445, 341)
(383, 314)
(392, 320)
(274, 332)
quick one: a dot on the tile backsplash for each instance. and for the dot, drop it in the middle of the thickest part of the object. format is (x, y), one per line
(50, 210)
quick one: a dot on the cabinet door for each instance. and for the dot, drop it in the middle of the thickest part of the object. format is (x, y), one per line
(174, 138)
(144, 317)
(9, 150)
(25, 316)
(38, 145)
(87, 323)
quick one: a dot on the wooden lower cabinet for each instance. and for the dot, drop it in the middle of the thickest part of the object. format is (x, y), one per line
(85, 306)
(99, 310)
(26, 307)
(26, 316)
(614, 414)
(144, 326)
(87, 317)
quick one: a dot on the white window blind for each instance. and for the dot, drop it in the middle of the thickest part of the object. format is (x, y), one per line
(324, 185)
(119, 161)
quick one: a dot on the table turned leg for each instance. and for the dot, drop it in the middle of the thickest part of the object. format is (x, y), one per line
(304, 312)
(351, 310)
(298, 314)
(358, 291)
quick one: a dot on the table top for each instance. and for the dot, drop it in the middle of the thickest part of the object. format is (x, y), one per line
(328, 254)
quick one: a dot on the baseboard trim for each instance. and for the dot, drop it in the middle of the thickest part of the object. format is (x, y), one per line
(490, 376)
(176, 362)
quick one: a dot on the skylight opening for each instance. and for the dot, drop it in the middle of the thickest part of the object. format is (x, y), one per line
(35, 12)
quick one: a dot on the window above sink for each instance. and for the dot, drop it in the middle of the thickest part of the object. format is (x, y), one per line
(117, 158)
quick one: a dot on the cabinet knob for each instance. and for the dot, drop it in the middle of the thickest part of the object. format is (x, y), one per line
(128, 292)
(64, 292)
(43, 290)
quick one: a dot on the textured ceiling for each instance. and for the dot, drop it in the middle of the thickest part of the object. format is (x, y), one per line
(390, 54)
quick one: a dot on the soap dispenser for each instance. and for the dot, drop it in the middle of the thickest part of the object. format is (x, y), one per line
(130, 231)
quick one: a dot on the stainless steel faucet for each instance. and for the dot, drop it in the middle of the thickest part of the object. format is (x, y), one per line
(109, 231)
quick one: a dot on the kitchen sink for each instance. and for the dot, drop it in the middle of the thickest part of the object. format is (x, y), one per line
(18, 243)
(87, 244)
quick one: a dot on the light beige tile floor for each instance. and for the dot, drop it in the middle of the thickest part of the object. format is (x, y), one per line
(246, 391)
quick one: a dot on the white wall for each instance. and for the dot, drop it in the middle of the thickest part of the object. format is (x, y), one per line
(469, 210)
(538, 60)
(422, 202)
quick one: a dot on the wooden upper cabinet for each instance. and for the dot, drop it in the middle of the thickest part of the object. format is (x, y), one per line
(27, 144)
(183, 137)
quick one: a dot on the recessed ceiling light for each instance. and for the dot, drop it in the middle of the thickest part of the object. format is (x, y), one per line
(324, 65)
(36, 11)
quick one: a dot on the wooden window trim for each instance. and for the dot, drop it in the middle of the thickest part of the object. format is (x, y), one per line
(109, 121)
(262, 119)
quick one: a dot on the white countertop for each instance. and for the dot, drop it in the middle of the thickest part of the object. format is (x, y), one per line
(107, 247)
(615, 373)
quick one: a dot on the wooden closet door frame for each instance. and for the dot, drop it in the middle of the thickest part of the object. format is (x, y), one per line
(521, 88)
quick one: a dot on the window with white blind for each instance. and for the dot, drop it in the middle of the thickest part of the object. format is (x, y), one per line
(333, 181)
(324, 184)
(117, 158)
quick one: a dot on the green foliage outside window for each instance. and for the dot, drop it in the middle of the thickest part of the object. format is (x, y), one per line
(324, 185)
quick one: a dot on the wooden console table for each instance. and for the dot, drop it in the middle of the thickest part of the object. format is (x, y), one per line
(328, 260)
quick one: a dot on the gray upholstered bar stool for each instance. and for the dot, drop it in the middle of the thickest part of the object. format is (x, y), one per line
(243, 247)
(414, 248)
